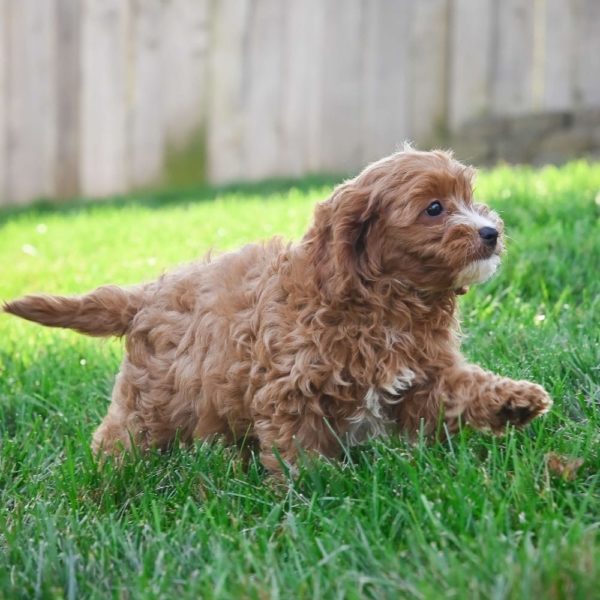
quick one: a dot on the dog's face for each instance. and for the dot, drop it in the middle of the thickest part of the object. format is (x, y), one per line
(412, 217)
(436, 234)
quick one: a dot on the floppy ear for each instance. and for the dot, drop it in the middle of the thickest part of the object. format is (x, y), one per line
(343, 244)
(355, 247)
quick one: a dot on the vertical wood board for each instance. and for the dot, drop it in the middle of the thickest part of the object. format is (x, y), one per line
(341, 84)
(106, 97)
(558, 40)
(262, 90)
(429, 64)
(586, 66)
(31, 103)
(3, 99)
(185, 38)
(513, 70)
(68, 93)
(471, 60)
(300, 42)
(386, 77)
(225, 88)
(146, 116)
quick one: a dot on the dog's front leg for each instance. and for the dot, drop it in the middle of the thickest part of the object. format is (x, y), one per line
(488, 401)
(288, 425)
(284, 438)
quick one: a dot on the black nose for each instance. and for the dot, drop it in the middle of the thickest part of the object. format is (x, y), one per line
(489, 235)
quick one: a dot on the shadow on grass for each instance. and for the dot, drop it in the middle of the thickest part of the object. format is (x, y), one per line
(165, 198)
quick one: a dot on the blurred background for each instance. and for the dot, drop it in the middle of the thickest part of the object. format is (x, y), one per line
(101, 97)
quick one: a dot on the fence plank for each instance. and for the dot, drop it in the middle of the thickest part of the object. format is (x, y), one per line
(429, 62)
(68, 92)
(105, 97)
(341, 89)
(226, 81)
(471, 57)
(3, 97)
(299, 73)
(513, 69)
(306, 73)
(262, 91)
(146, 120)
(31, 107)
(185, 36)
(558, 34)
(386, 109)
(587, 51)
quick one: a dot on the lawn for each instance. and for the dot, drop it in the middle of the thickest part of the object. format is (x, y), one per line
(479, 517)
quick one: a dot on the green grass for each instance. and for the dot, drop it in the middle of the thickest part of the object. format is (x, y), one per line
(479, 517)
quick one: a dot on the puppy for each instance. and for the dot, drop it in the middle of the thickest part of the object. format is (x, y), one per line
(347, 334)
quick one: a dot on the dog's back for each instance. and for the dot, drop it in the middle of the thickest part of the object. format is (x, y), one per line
(188, 338)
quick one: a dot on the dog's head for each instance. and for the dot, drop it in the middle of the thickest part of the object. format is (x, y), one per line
(409, 217)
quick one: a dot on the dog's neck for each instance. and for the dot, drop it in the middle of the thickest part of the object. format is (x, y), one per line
(389, 301)
(434, 307)
(313, 266)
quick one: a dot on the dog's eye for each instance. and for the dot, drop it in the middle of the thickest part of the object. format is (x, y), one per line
(435, 209)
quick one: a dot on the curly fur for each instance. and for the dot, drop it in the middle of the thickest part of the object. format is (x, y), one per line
(347, 334)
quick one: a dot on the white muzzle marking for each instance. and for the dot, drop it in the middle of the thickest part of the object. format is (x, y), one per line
(478, 271)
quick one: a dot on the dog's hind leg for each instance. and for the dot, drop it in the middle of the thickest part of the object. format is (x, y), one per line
(142, 415)
(111, 437)
(120, 427)
(284, 438)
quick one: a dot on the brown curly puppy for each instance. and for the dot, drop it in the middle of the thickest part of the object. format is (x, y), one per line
(347, 334)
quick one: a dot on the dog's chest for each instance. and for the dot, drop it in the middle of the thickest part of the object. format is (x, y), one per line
(370, 419)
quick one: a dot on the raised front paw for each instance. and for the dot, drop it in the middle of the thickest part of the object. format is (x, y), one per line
(519, 403)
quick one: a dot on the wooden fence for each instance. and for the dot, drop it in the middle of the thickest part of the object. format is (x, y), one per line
(96, 96)
(95, 93)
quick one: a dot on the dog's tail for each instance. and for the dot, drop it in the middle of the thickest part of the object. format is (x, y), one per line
(107, 310)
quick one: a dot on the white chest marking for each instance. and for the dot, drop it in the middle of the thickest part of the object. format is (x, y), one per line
(369, 420)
